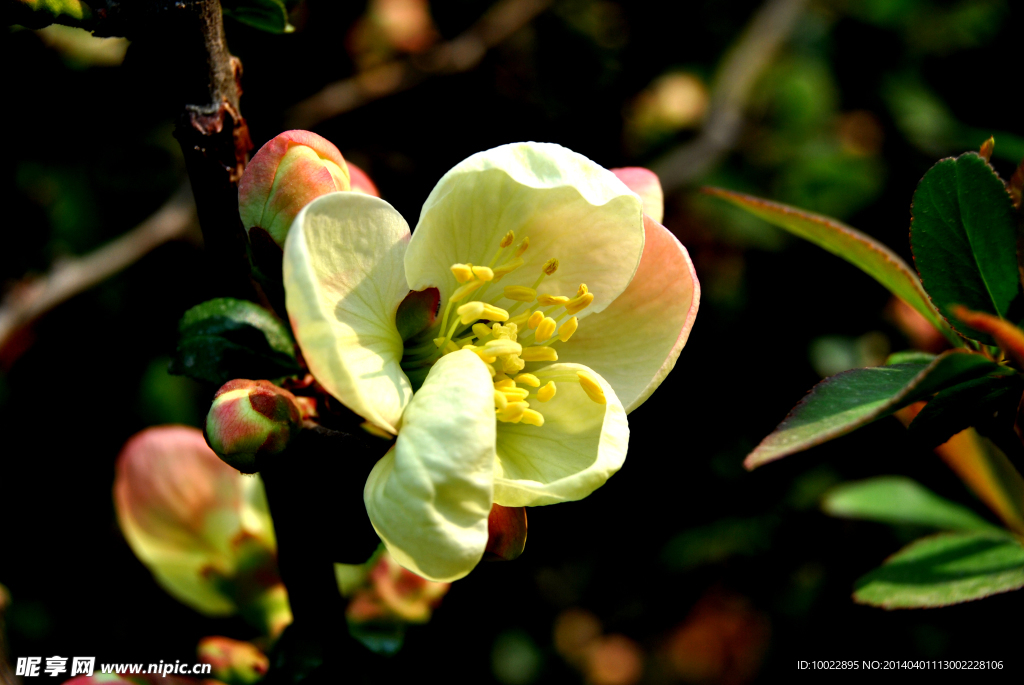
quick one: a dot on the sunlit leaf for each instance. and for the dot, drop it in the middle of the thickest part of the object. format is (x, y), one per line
(223, 339)
(900, 500)
(964, 239)
(945, 569)
(852, 399)
(861, 250)
(988, 473)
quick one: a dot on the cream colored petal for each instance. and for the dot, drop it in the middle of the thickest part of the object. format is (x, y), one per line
(344, 279)
(430, 496)
(579, 447)
(570, 208)
(635, 342)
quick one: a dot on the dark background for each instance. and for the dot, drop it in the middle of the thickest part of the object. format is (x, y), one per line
(88, 154)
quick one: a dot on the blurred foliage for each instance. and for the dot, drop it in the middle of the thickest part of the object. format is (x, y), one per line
(859, 104)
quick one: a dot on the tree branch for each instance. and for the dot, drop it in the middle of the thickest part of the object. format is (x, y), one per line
(31, 298)
(734, 80)
(457, 55)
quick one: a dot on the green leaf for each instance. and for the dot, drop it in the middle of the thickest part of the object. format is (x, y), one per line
(266, 15)
(39, 13)
(861, 250)
(852, 399)
(907, 356)
(964, 240)
(981, 402)
(900, 500)
(945, 569)
(223, 339)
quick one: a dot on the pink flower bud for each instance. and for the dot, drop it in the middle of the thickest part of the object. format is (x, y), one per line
(286, 174)
(361, 183)
(646, 184)
(233, 662)
(392, 594)
(251, 418)
(201, 528)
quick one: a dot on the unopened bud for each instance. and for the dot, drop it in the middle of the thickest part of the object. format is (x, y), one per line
(233, 662)
(506, 533)
(285, 175)
(251, 418)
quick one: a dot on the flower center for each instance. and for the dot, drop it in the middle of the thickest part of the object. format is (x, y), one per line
(506, 339)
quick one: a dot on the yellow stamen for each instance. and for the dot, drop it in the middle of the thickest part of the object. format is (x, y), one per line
(522, 246)
(578, 304)
(471, 311)
(502, 383)
(568, 328)
(439, 341)
(462, 272)
(528, 379)
(520, 319)
(503, 347)
(549, 300)
(534, 418)
(508, 267)
(520, 293)
(535, 319)
(547, 392)
(485, 355)
(546, 329)
(484, 273)
(481, 330)
(465, 290)
(490, 369)
(582, 290)
(550, 266)
(513, 412)
(515, 394)
(539, 354)
(507, 239)
(592, 388)
(500, 401)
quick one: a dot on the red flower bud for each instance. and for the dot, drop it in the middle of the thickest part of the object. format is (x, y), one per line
(233, 662)
(285, 175)
(251, 418)
(506, 533)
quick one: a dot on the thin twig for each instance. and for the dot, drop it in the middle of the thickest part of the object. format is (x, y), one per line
(30, 299)
(733, 83)
(457, 55)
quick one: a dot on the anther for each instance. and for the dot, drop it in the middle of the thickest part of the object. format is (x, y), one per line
(520, 293)
(547, 392)
(484, 273)
(582, 290)
(535, 319)
(482, 330)
(522, 246)
(592, 388)
(534, 418)
(568, 328)
(549, 300)
(550, 266)
(471, 311)
(546, 329)
(500, 400)
(465, 290)
(503, 347)
(539, 354)
(513, 412)
(507, 239)
(515, 394)
(578, 304)
(528, 379)
(462, 272)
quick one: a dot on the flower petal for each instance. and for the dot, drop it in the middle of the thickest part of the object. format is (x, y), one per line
(344, 279)
(570, 208)
(430, 496)
(579, 447)
(644, 183)
(635, 342)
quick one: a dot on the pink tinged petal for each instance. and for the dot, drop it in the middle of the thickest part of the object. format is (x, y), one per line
(344, 280)
(646, 184)
(361, 182)
(286, 174)
(635, 342)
